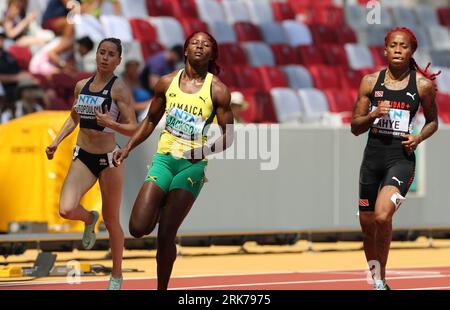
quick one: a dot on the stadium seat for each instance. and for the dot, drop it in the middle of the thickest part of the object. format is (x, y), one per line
(322, 34)
(247, 32)
(228, 77)
(159, 7)
(334, 54)
(271, 77)
(260, 11)
(444, 15)
(130, 51)
(426, 15)
(404, 17)
(191, 25)
(142, 30)
(325, 76)
(222, 32)
(248, 77)
(184, 9)
(355, 16)
(378, 56)
(170, 32)
(345, 34)
(443, 104)
(349, 78)
(359, 56)
(440, 58)
(259, 54)
(340, 100)
(150, 48)
(134, 9)
(282, 11)
(232, 54)
(310, 55)
(210, 11)
(372, 35)
(284, 54)
(116, 27)
(329, 16)
(22, 55)
(314, 104)
(443, 80)
(297, 33)
(298, 77)
(235, 11)
(260, 107)
(287, 105)
(88, 25)
(273, 33)
(439, 37)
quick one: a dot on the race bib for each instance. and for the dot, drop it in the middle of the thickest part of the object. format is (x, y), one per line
(184, 124)
(87, 105)
(394, 123)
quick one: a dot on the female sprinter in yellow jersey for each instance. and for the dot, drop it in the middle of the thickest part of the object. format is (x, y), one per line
(190, 98)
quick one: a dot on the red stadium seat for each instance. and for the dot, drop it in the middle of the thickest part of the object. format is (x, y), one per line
(191, 25)
(322, 34)
(272, 77)
(142, 30)
(228, 77)
(443, 104)
(260, 107)
(248, 77)
(339, 100)
(310, 55)
(159, 8)
(232, 54)
(444, 15)
(282, 11)
(83, 75)
(63, 84)
(246, 32)
(334, 54)
(184, 8)
(350, 79)
(22, 55)
(345, 34)
(325, 77)
(284, 54)
(378, 56)
(330, 16)
(150, 48)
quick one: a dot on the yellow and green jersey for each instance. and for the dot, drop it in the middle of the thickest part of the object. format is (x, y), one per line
(187, 116)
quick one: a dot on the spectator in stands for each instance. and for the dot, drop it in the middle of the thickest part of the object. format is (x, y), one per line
(54, 18)
(10, 71)
(160, 64)
(30, 99)
(141, 95)
(17, 22)
(238, 104)
(56, 57)
(96, 7)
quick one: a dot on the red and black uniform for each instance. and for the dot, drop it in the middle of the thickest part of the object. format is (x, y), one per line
(385, 160)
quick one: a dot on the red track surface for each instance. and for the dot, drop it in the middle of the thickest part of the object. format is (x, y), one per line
(407, 278)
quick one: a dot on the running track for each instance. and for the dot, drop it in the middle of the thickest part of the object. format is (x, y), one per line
(430, 278)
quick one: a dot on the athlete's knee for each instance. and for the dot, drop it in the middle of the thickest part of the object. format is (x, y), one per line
(383, 218)
(66, 213)
(138, 229)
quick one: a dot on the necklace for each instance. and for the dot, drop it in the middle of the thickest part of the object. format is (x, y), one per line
(392, 80)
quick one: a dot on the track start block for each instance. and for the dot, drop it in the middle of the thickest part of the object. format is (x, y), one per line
(10, 272)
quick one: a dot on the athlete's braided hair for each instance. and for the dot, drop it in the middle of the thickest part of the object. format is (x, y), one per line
(213, 67)
(412, 63)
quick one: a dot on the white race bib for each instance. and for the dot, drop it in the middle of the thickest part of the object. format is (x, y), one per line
(394, 123)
